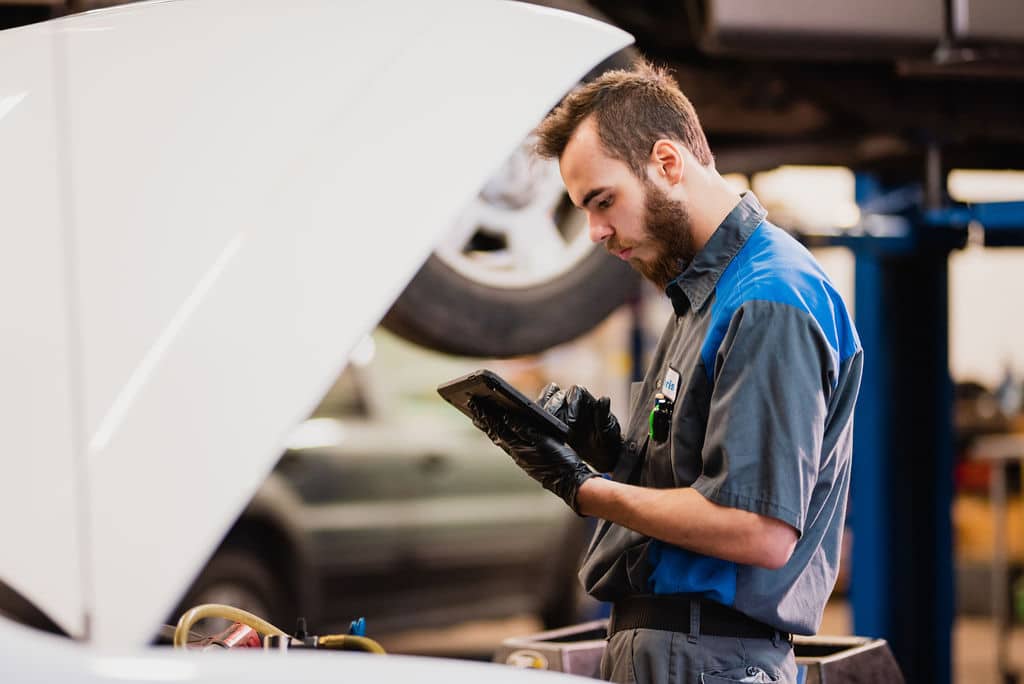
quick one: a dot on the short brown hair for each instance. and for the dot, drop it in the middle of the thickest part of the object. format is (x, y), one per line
(633, 109)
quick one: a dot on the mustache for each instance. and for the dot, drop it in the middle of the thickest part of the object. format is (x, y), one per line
(614, 246)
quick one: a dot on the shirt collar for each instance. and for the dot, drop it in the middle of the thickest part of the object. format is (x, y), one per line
(693, 286)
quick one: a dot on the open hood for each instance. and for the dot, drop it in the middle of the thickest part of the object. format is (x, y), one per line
(206, 206)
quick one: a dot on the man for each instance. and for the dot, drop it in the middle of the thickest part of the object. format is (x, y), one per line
(722, 514)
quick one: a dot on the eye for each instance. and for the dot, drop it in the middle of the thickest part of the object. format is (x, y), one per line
(605, 203)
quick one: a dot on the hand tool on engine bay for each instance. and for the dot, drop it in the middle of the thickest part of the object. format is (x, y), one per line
(660, 419)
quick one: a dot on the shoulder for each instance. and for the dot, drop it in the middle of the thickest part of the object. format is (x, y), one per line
(773, 272)
(773, 266)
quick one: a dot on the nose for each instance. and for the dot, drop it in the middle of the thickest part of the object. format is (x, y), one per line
(600, 231)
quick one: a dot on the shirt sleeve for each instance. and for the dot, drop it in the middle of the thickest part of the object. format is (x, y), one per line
(773, 375)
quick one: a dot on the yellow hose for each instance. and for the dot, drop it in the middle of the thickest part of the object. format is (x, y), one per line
(341, 641)
(218, 610)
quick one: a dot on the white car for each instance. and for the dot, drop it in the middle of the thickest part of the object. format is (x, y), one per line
(206, 205)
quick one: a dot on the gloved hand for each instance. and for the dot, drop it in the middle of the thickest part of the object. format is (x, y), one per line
(594, 430)
(554, 465)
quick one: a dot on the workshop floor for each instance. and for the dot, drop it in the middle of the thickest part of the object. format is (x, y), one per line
(974, 644)
(974, 641)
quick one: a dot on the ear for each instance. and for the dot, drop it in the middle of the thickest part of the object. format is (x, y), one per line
(667, 161)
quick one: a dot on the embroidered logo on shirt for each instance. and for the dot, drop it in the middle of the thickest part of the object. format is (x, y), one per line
(671, 384)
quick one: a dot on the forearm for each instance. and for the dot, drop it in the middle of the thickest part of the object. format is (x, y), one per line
(683, 517)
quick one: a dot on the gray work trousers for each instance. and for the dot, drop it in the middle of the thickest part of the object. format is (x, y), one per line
(652, 656)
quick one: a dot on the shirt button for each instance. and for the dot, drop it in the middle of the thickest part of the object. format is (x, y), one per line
(631, 446)
(753, 671)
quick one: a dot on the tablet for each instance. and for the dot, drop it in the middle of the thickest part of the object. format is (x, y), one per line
(487, 384)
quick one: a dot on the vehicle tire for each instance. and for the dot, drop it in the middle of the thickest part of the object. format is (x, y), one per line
(444, 311)
(518, 273)
(240, 578)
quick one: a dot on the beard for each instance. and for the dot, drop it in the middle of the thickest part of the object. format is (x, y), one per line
(668, 230)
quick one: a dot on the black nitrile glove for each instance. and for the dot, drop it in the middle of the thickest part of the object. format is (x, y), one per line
(554, 465)
(594, 430)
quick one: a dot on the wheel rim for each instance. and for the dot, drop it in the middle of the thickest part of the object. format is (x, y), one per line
(521, 230)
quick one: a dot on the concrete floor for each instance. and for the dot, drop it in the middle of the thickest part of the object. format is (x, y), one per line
(974, 641)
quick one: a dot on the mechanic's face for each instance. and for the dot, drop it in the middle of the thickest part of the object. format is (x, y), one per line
(637, 221)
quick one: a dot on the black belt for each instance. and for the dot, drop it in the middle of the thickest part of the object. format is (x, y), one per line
(671, 613)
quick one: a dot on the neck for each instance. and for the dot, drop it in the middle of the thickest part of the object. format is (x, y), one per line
(717, 199)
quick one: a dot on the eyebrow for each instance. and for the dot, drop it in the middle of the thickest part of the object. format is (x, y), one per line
(591, 195)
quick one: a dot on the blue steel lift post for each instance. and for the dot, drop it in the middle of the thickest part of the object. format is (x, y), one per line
(901, 493)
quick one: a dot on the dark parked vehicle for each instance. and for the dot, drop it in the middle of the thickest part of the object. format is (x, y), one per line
(391, 505)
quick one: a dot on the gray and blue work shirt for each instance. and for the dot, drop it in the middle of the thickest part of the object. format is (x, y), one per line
(763, 364)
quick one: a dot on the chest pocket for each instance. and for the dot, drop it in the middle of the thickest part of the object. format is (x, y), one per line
(657, 470)
(677, 461)
(656, 467)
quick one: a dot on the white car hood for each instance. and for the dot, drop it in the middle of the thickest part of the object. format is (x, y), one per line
(206, 205)
(33, 656)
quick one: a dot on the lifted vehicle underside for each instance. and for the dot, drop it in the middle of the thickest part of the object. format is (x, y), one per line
(864, 85)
